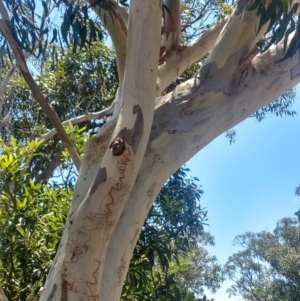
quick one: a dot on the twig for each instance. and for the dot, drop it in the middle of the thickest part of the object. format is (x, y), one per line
(79, 119)
(46, 174)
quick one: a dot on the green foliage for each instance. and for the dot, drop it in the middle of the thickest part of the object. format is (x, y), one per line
(37, 30)
(268, 267)
(32, 217)
(79, 83)
(282, 22)
(195, 14)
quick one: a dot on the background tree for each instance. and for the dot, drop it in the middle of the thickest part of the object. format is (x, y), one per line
(153, 131)
(268, 267)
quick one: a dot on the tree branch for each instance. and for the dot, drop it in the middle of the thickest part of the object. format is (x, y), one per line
(8, 75)
(239, 35)
(110, 187)
(5, 26)
(179, 62)
(26, 55)
(79, 119)
(4, 84)
(117, 30)
(172, 26)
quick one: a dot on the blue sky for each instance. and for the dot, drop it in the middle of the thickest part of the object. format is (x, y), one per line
(249, 185)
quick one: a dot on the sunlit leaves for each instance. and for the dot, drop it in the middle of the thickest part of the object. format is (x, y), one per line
(32, 216)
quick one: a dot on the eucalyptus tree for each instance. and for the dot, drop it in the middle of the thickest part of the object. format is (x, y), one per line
(268, 266)
(249, 57)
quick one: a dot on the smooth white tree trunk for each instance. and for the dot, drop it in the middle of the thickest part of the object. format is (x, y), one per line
(151, 135)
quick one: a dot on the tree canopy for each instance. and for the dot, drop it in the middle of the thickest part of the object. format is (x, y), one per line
(268, 267)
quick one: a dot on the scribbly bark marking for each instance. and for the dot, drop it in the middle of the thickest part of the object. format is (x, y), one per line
(93, 286)
(120, 190)
(93, 153)
(121, 268)
(156, 158)
(85, 238)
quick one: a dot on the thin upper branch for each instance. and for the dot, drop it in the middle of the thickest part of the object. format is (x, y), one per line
(79, 119)
(5, 26)
(117, 30)
(239, 35)
(172, 25)
(4, 83)
(9, 74)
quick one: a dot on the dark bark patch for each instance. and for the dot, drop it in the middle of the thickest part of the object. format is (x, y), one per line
(54, 287)
(99, 179)
(197, 138)
(131, 136)
(64, 290)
